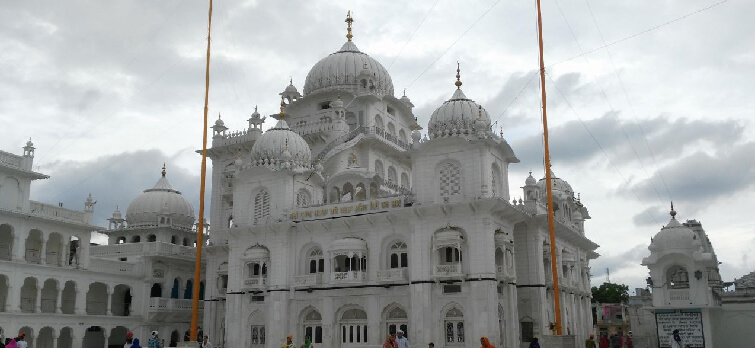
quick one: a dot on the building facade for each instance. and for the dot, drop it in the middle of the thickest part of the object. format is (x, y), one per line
(62, 291)
(344, 224)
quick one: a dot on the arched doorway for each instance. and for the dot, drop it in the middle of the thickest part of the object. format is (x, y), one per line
(120, 301)
(3, 294)
(189, 288)
(65, 338)
(29, 336)
(49, 297)
(156, 290)
(117, 337)
(94, 337)
(29, 295)
(6, 242)
(68, 298)
(176, 288)
(33, 247)
(97, 300)
(174, 338)
(45, 338)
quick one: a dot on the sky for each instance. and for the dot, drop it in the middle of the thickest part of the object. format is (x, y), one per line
(648, 101)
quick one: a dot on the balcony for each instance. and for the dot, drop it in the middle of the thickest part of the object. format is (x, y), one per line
(350, 276)
(256, 282)
(343, 209)
(308, 279)
(144, 249)
(448, 270)
(116, 267)
(171, 310)
(392, 275)
(58, 213)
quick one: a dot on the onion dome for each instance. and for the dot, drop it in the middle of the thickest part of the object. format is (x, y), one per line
(404, 99)
(458, 116)
(117, 213)
(530, 180)
(338, 103)
(160, 201)
(346, 68)
(559, 186)
(281, 148)
(675, 236)
(255, 121)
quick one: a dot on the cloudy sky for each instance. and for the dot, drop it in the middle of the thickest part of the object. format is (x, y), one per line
(647, 101)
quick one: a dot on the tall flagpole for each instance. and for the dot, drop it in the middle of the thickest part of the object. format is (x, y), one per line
(200, 225)
(548, 182)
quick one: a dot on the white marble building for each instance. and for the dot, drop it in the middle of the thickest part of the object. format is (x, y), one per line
(63, 292)
(343, 223)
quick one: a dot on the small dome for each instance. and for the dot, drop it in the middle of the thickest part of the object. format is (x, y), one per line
(458, 115)
(117, 213)
(338, 103)
(291, 89)
(160, 201)
(281, 148)
(219, 122)
(675, 236)
(342, 70)
(530, 180)
(559, 185)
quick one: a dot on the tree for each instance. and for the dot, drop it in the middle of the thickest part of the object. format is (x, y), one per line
(610, 293)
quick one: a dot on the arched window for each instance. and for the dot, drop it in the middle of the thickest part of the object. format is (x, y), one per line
(405, 180)
(450, 180)
(156, 290)
(151, 238)
(397, 320)
(499, 258)
(313, 326)
(315, 261)
(399, 257)
(454, 327)
(120, 240)
(261, 206)
(136, 239)
(303, 198)
(402, 136)
(450, 255)
(677, 277)
(379, 122)
(392, 175)
(354, 326)
(391, 129)
(173, 240)
(379, 168)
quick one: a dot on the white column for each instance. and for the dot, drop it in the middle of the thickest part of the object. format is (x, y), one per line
(14, 298)
(59, 300)
(54, 340)
(38, 300)
(109, 300)
(106, 332)
(43, 251)
(81, 302)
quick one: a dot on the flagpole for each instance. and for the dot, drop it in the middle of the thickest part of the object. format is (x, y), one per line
(200, 225)
(548, 182)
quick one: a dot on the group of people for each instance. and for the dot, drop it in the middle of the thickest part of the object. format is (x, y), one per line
(154, 341)
(17, 342)
(612, 341)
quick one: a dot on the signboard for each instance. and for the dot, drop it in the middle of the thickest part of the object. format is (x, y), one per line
(689, 322)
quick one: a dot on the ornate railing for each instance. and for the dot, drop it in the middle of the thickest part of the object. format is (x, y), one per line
(256, 281)
(162, 303)
(348, 276)
(348, 208)
(452, 269)
(152, 248)
(115, 267)
(392, 274)
(308, 279)
(338, 141)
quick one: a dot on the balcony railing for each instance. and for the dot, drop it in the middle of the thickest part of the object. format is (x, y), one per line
(392, 274)
(348, 208)
(148, 248)
(116, 267)
(27, 305)
(58, 213)
(172, 304)
(255, 282)
(308, 279)
(348, 276)
(448, 270)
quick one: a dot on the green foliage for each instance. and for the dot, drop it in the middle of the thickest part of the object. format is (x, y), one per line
(610, 293)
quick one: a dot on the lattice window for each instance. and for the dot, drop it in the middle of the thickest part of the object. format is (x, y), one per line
(313, 326)
(315, 261)
(258, 335)
(450, 180)
(399, 257)
(303, 198)
(454, 326)
(261, 206)
(493, 183)
(354, 326)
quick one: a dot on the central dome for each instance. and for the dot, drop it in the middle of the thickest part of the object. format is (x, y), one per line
(458, 115)
(160, 201)
(346, 69)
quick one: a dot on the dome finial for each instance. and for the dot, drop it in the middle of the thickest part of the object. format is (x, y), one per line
(349, 20)
(458, 76)
(283, 107)
(163, 171)
(479, 112)
(672, 212)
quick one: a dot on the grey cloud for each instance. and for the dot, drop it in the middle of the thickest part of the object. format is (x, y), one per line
(114, 181)
(618, 261)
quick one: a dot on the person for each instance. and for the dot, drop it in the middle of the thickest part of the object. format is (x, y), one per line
(307, 342)
(534, 343)
(289, 342)
(129, 340)
(401, 341)
(615, 341)
(431, 345)
(21, 340)
(676, 339)
(2, 341)
(135, 343)
(590, 342)
(628, 343)
(205, 342)
(603, 340)
(10, 343)
(485, 343)
(390, 341)
(154, 341)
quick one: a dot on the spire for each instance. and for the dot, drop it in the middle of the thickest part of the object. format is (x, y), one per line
(349, 20)
(163, 172)
(479, 112)
(458, 76)
(672, 212)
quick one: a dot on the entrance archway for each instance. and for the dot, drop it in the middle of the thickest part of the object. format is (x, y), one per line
(65, 338)
(94, 337)
(45, 338)
(29, 336)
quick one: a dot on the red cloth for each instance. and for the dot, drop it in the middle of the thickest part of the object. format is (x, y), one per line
(603, 342)
(486, 343)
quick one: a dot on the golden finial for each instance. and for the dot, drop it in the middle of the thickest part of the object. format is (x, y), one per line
(163, 172)
(349, 20)
(672, 212)
(479, 112)
(404, 92)
(290, 80)
(283, 107)
(353, 158)
(286, 144)
(416, 124)
(458, 76)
